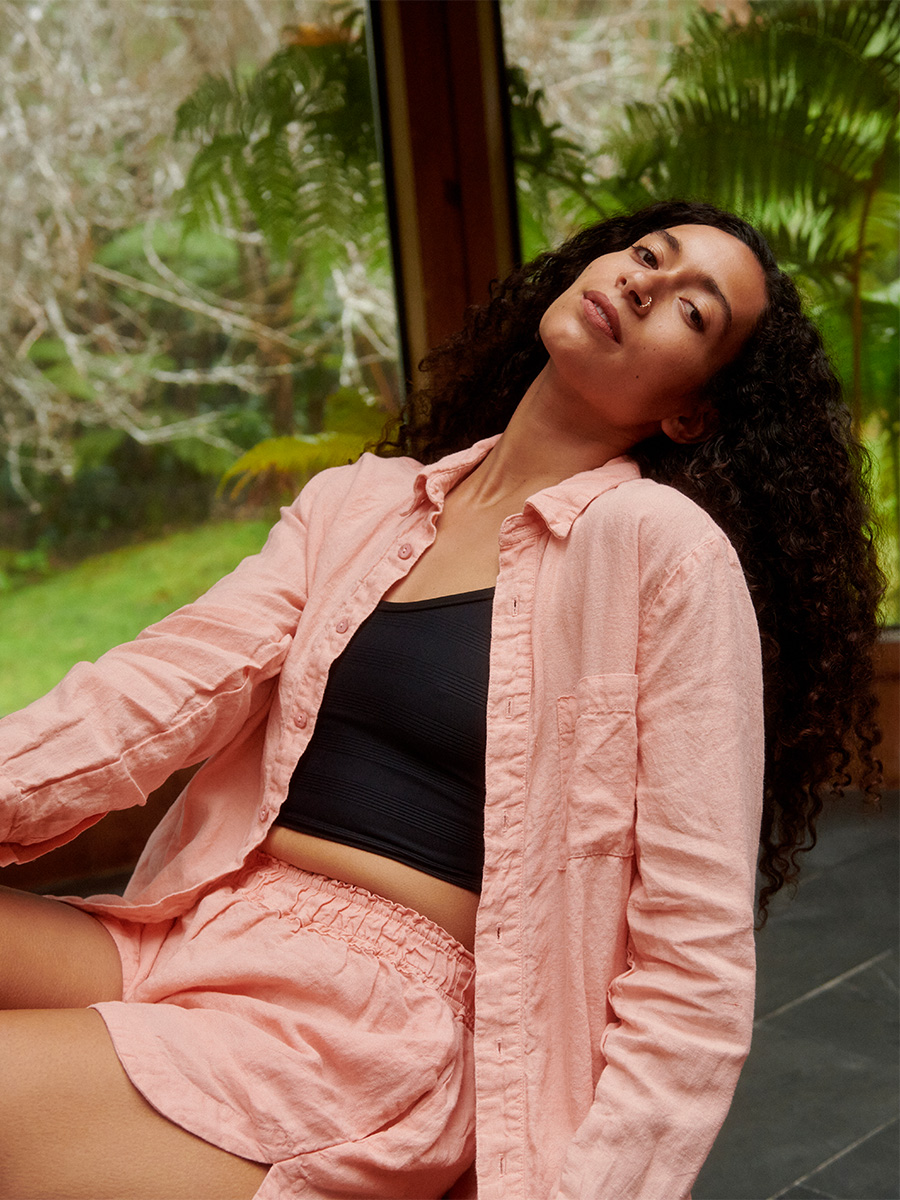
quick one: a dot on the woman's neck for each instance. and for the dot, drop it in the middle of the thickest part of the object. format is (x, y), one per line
(535, 451)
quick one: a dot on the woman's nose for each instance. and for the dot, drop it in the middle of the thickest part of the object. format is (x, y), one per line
(635, 288)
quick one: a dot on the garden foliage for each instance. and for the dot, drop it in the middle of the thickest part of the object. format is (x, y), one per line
(198, 265)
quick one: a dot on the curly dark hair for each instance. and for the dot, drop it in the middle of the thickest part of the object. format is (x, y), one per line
(783, 476)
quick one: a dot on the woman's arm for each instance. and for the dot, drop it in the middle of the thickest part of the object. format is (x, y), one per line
(684, 1007)
(113, 730)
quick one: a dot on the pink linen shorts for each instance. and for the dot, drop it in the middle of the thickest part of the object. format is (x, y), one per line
(303, 1022)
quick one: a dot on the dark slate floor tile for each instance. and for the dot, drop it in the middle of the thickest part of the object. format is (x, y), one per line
(820, 1076)
(849, 826)
(870, 1171)
(843, 915)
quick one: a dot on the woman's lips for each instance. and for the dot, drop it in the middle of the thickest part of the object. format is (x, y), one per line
(601, 313)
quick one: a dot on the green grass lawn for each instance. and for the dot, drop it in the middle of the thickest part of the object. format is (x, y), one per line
(80, 613)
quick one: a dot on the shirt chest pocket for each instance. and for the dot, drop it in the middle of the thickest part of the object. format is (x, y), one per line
(598, 764)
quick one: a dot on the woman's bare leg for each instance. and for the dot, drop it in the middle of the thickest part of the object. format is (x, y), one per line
(53, 955)
(73, 1127)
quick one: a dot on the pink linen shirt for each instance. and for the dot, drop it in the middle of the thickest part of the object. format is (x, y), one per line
(614, 946)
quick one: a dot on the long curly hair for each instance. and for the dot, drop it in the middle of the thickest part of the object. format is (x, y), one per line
(783, 476)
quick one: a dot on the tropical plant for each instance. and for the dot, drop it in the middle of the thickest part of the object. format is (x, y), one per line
(273, 471)
(287, 160)
(789, 115)
(553, 172)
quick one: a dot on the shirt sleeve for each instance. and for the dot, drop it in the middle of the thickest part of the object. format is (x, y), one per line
(114, 730)
(684, 1007)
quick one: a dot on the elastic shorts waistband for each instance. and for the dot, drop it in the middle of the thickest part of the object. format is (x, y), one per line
(413, 943)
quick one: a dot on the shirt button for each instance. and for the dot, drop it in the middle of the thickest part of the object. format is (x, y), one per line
(300, 720)
(343, 625)
(405, 550)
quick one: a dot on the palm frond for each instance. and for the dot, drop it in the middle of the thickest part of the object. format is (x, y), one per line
(790, 117)
(289, 149)
(275, 470)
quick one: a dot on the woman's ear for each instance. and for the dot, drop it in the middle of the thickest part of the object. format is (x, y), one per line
(696, 426)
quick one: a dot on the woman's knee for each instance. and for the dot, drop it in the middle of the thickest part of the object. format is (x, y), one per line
(53, 955)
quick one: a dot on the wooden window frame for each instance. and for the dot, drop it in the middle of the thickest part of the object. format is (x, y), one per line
(447, 155)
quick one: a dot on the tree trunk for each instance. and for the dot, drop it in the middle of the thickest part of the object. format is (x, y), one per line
(280, 393)
(872, 185)
(276, 297)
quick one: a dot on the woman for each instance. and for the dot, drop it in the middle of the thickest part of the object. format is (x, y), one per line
(284, 995)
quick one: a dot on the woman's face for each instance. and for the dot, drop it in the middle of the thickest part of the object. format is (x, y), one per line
(641, 330)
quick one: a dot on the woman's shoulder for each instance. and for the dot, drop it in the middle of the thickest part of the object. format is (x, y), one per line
(657, 511)
(653, 542)
(337, 485)
(658, 530)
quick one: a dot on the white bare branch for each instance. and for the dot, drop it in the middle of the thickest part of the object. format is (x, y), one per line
(233, 322)
(88, 99)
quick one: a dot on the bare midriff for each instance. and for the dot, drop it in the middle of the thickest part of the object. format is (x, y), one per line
(451, 907)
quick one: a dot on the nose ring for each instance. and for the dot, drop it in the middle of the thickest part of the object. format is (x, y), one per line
(647, 305)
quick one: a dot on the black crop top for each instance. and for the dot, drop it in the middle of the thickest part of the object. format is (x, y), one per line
(396, 761)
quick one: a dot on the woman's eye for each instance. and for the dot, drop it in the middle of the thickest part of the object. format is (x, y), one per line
(646, 255)
(695, 316)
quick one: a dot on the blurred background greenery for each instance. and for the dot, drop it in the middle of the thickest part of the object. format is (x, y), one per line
(197, 274)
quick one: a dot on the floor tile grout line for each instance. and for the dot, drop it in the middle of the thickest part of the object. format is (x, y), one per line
(824, 987)
(812, 1191)
(834, 1158)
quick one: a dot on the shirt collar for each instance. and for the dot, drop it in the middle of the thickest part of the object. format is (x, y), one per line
(557, 506)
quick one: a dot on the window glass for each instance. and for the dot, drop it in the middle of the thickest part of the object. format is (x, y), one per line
(198, 301)
(781, 110)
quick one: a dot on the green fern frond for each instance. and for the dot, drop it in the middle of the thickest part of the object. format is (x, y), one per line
(790, 117)
(211, 107)
(291, 148)
(277, 468)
